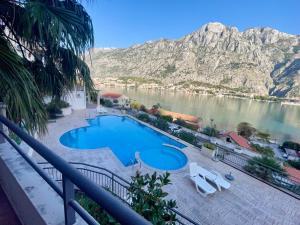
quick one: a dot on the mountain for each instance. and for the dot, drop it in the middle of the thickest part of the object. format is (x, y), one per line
(261, 61)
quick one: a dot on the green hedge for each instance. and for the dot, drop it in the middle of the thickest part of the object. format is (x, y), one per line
(263, 167)
(267, 151)
(210, 131)
(209, 146)
(95, 210)
(107, 103)
(291, 145)
(161, 124)
(187, 136)
(148, 199)
(54, 107)
(144, 117)
(182, 123)
(167, 118)
(294, 163)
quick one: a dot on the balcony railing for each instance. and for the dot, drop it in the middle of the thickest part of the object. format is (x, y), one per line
(70, 178)
(108, 180)
(269, 175)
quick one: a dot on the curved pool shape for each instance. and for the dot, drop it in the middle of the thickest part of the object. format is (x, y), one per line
(125, 136)
(173, 159)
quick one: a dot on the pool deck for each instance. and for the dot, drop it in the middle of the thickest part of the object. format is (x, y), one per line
(248, 201)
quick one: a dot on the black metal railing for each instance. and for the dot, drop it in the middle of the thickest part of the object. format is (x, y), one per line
(269, 175)
(108, 180)
(70, 178)
(286, 183)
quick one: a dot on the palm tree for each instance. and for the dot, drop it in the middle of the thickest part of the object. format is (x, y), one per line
(42, 47)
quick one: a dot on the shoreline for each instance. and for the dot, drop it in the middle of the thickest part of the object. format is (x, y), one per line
(253, 110)
(273, 99)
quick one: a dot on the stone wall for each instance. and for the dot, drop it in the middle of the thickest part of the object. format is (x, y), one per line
(31, 197)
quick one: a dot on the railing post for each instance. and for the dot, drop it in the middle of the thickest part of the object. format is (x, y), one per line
(68, 194)
(2, 127)
(112, 183)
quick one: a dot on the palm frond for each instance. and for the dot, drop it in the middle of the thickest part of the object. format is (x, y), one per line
(58, 23)
(52, 36)
(18, 90)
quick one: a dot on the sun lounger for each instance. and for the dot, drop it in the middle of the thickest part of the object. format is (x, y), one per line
(213, 177)
(200, 183)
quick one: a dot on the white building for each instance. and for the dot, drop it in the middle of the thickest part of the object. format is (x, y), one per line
(76, 98)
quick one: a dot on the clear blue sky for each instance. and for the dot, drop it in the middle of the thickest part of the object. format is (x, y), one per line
(121, 23)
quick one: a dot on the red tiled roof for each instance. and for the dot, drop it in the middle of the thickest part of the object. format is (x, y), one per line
(293, 173)
(241, 141)
(111, 95)
(175, 115)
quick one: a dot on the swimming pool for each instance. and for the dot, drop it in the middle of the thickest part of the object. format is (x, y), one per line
(125, 136)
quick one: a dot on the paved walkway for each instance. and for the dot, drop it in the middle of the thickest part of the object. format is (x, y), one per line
(7, 214)
(247, 202)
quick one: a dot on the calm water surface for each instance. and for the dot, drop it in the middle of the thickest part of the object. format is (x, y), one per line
(125, 137)
(282, 121)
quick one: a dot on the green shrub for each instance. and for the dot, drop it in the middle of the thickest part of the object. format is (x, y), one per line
(148, 198)
(107, 103)
(94, 209)
(144, 117)
(291, 145)
(94, 96)
(210, 131)
(143, 108)
(53, 110)
(263, 167)
(267, 151)
(182, 123)
(192, 127)
(161, 124)
(187, 136)
(15, 137)
(245, 129)
(167, 118)
(135, 105)
(156, 106)
(54, 107)
(294, 163)
(62, 104)
(209, 146)
(263, 135)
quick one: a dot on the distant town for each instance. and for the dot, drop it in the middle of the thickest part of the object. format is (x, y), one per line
(187, 87)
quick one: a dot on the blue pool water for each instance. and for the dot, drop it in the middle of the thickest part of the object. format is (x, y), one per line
(126, 136)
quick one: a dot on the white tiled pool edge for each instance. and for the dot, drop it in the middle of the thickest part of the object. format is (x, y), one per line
(137, 156)
(247, 202)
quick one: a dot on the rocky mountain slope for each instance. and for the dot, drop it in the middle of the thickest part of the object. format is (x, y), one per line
(263, 61)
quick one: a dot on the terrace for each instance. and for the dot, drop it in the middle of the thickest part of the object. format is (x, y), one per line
(248, 201)
(36, 198)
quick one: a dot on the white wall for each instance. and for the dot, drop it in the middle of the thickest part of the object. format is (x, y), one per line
(76, 99)
(47, 99)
